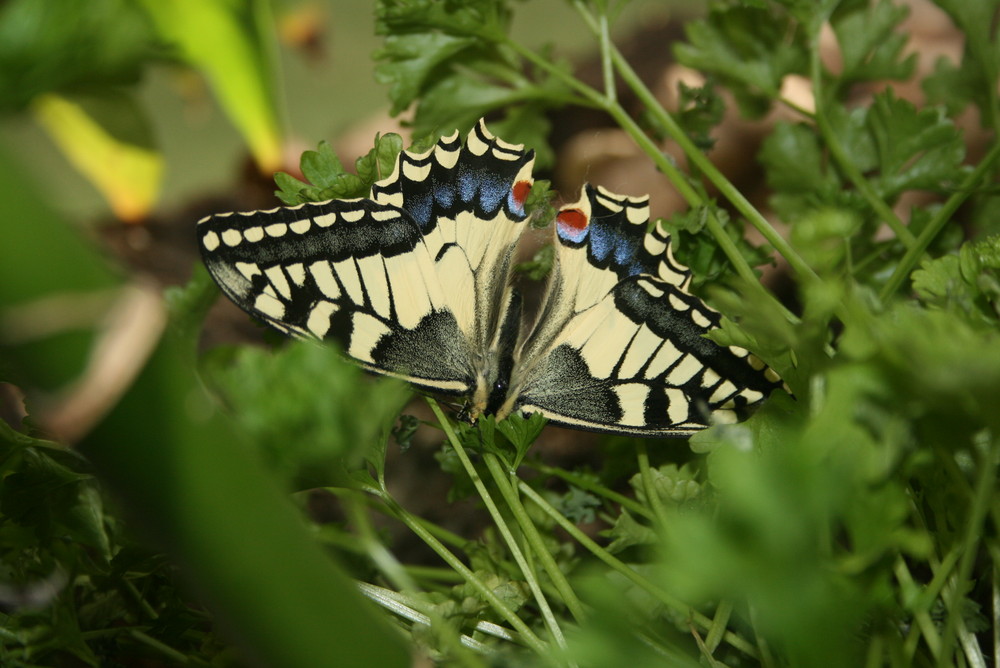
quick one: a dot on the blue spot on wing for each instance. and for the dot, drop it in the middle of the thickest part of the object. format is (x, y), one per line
(466, 185)
(419, 207)
(610, 243)
(444, 195)
(492, 191)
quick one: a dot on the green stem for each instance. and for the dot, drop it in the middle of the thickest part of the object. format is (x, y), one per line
(529, 575)
(995, 607)
(706, 167)
(664, 163)
(711, 172)
(589, 485)
(701, 161)
(373, 548)
(164, 649)
(607, 70)
(376, 501)
(623, 569)
(526, 634)
(925, 625)
(844, 162)
(909, 261)
(970, 546)
(648, 486)
(433, 574)
(530, 531)
(719, 624)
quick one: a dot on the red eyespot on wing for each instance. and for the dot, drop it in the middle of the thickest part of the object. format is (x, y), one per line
(572, 220)
(520, 191)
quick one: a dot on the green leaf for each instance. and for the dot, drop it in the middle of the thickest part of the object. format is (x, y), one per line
(521, 432)
(458, 100)
(446, 57)
(529, 125)
(538, 205)
(975, 79)
(795, 168)
(206, 498)
(628, 532)
(824, 235)
(328, 178)
(540, 264)
(405, 430)
(408, 61)
(300, 405)
(749, 49)
(576, 505)
(897, 146)
(871, 45)
(291, 191)
(916, 149)
(50, 490)
(967, 284)
(672, 485)
(956, 87)
(698, 251)
(701, 110)
(942, 370)
(487, 19)
(452, 61)
(379, 162)
(322, 167)
(48, 46)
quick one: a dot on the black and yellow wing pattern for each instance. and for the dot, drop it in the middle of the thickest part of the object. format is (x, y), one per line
(415, 282)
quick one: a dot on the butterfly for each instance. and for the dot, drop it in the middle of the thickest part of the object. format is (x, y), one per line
(415, 282)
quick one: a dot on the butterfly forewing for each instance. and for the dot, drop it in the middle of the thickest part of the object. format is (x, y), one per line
(412, 282)
(355, 271)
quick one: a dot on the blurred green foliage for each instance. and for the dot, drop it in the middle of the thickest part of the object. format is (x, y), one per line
(854, 524)
(90, 56)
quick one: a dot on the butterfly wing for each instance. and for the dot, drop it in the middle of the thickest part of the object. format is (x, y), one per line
(405, 280)
(619, 343)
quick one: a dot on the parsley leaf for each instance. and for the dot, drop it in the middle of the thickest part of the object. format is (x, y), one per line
(408, 61)
(975, 80)
(700, 253)
(967, 283)
(299, 406)
(453, 64)
(748, 49)
(329, 180)
(915, 149)
(898, 147)
(870, 45)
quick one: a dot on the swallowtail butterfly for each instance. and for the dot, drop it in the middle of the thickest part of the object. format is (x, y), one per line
(415, 283)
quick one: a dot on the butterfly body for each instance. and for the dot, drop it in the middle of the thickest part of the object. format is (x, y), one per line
(415, 283)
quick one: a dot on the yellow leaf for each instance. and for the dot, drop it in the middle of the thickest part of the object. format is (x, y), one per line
(126, 174)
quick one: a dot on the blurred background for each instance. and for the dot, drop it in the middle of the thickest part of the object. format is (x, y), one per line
(202, 87)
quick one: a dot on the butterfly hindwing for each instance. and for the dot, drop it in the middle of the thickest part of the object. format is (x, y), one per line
(468, 201)
(620, 346)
